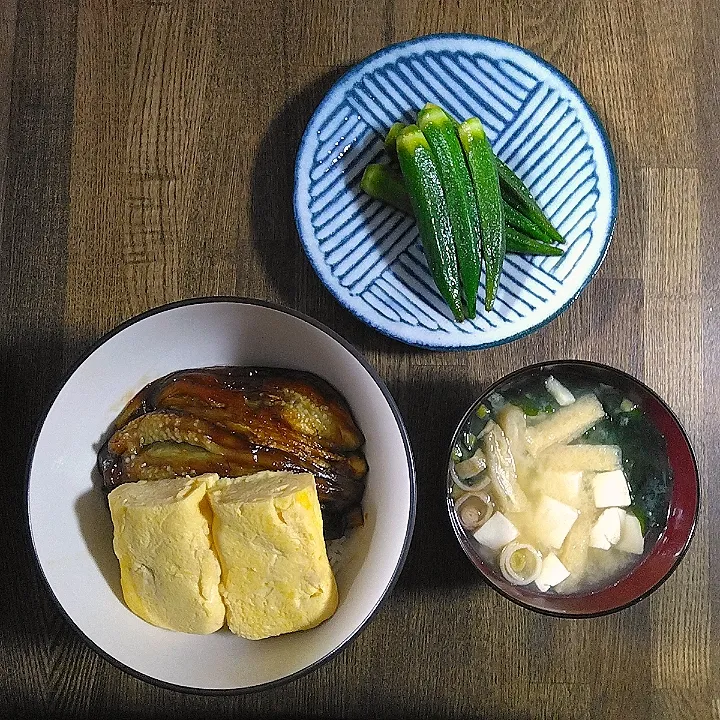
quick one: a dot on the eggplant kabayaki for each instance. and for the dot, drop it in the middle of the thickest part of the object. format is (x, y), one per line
(237, 421)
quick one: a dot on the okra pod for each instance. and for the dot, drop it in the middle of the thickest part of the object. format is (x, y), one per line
(381, 183)
(439, 131)
(391, 139)
(514, 218)
(517, 195)
(484, 173)
(517, 242)
(422, 181)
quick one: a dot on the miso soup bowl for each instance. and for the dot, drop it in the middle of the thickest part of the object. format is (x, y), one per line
(660, 558)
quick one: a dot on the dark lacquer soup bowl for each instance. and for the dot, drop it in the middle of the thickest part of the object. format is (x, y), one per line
(603, 479)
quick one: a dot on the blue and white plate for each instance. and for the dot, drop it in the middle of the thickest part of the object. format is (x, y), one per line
(369, 255)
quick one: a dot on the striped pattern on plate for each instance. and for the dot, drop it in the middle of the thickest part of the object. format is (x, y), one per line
(369, 255)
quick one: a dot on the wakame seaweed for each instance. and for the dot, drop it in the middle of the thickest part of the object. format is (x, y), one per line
(644, 456)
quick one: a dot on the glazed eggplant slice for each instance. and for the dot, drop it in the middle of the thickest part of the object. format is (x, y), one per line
(340, 492)
(167, 459)
(171, 426)
(306, 402)
(164, 443)
(235, 421)
(336, 524)
(229, 410)
(167, 425)
(262, 398)
(311, 407)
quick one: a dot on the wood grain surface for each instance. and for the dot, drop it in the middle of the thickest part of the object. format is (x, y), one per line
(146, 155)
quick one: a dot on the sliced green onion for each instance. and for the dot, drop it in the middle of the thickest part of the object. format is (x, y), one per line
(482, 411)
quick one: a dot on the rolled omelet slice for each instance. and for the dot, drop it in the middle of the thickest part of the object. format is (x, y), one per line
(267, 530)
(162, 537)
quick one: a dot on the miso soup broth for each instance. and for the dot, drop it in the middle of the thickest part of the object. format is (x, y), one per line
(560, 483)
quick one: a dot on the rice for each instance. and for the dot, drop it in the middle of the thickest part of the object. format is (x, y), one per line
(336, 552)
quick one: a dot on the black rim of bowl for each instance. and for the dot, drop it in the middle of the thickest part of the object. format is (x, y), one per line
(460, 535)
(411, 477)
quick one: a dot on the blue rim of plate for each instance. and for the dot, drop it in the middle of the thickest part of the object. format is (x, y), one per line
(400, 51)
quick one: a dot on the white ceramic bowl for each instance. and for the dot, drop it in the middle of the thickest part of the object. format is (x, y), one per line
(70, 524)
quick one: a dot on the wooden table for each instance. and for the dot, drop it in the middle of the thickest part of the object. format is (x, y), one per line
(150, 150)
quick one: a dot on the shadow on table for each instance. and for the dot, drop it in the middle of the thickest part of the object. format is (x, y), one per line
(273, 223)
(274, 231)
(432, 408)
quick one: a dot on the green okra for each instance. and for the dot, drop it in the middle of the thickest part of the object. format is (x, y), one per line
(517, 242)
(439, 131)
(514, 218)
(384, 183)
(516, 194)
(422, 181)
(484, 173)
(391, 139)
(381, 183)
(518, 202)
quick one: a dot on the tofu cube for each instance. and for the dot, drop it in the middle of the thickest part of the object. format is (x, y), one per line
(553, 573)
(563, 486)
(631, 537)
(497, 532)
(553, 520)
(610, 489)
(606, 531)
